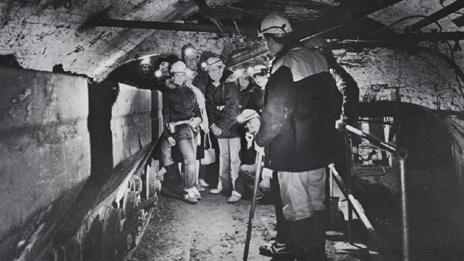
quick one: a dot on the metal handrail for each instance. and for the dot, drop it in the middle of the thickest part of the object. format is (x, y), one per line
(359, 211)
(402, 155)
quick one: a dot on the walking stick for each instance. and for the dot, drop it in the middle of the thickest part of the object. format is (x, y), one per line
(258, 161)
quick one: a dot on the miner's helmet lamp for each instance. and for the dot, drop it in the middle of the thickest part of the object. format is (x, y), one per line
(213, 62)
(275, 25)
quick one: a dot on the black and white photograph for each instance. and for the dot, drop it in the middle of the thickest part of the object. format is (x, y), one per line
(232, 130)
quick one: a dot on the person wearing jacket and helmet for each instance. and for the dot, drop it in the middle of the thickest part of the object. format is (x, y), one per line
(222, 106)
(296, 132)
(251, 95)
(182, 118)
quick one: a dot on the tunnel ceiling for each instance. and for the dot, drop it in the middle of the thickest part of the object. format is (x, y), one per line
(42, 33)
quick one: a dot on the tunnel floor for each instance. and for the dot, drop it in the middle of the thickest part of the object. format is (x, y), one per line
(215, 230)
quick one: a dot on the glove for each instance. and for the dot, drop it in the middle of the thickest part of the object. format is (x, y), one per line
(216, 130)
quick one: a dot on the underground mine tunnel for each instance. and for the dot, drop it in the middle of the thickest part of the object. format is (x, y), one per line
(135, 130)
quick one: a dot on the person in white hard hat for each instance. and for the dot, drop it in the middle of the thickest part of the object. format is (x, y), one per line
(222, 105)
(204, 130)
(201, 80)
(180, 105)
(251, 95)
(297, 131)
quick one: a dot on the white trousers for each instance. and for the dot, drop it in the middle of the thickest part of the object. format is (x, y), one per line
(302, 193)
(229, 160)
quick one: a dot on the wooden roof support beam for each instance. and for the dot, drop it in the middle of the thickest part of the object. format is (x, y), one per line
(436, 16)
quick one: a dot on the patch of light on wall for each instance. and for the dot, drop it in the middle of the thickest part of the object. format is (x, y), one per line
(145, 59)
(103, 68)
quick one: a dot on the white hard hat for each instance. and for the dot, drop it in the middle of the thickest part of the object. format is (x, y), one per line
(179, 67)
(212, 62)
(275, 24)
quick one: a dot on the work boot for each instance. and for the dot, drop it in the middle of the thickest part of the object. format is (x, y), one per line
(196, 193)
(218, 189)
(189, 197)
(234, 197)
(300, 238)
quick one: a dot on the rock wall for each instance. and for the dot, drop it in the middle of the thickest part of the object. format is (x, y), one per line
(422, 78)
(44, 33)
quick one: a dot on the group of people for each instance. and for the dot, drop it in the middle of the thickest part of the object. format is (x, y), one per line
(207, 106)
(287, 111)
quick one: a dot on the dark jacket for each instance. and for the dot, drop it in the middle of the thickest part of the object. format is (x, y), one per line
(252, 98)
(222, 106)
(349, 91)
(179, 104)
(201, 81)
(298, 118)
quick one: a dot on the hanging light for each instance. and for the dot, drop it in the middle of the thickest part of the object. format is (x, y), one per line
(204, 66)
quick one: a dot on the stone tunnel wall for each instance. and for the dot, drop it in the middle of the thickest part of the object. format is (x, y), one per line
(44, 141)
(421, 77)
(42, 34)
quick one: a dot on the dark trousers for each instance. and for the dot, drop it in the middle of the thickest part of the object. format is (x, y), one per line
(308, 237)
(245, 180)
(282, 225)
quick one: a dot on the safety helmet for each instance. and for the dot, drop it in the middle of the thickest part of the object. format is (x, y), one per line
(275, 24)
(179, 67)
(213, 62)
